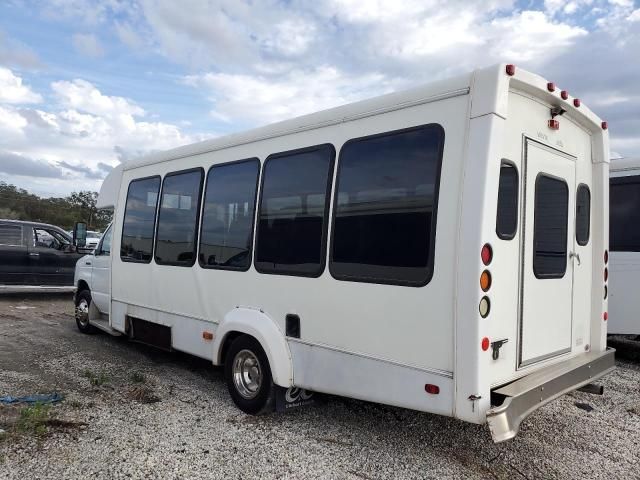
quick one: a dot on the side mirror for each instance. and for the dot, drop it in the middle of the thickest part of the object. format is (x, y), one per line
(80, 235)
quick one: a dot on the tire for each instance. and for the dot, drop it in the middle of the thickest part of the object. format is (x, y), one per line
(252, 391)
(83, 302)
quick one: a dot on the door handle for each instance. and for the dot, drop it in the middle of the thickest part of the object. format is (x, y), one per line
(33, 254)
(575, 255)
(87, 263)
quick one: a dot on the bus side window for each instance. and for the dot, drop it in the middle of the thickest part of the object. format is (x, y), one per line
(176, 237)
(386, 203)
(583, 214)
(139, 220)
(507, 215)
(227, 217)
(292, 219)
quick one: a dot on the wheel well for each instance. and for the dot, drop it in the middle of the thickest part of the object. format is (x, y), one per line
(82, 285)
(228, 340)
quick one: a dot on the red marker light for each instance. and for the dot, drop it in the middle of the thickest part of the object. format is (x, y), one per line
(606, 256)
(511, 70)
(486, 254)
(604, 125)
(551, 87)
(576, 102)
(485, 344)
(605, 316)
(564, 94)
(554, 124)
(432, 389)
(606, 274)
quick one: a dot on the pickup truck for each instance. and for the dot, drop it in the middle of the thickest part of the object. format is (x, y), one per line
(36, 256)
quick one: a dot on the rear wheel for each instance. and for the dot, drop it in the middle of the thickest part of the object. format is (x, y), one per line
(248, 376)
(83, 302)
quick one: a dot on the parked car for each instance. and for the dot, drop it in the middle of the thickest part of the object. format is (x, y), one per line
(35, 255)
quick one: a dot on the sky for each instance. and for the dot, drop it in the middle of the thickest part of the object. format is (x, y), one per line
(86, 84)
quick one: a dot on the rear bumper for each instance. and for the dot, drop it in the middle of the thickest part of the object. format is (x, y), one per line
(524, 396)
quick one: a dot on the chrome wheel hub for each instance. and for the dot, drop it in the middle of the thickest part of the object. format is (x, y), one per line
(247, 374)
(82, 312)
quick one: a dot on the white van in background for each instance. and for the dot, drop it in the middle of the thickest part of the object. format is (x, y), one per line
(624, 245)
(441, 249)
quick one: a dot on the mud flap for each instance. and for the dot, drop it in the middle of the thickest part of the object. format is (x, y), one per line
(293, 397)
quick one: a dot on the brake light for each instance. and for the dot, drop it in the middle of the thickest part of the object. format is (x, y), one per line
(486, 254)
(564, 94)
(485, 344)
(554, 124)
(511, 70)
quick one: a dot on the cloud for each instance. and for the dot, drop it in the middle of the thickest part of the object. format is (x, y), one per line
(15, 54)
(15, 164)
(80, 135)
(12, 90)
(84, 170)
(87, 44)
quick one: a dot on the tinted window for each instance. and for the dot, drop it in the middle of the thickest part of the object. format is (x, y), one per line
(293, 212)
(139, 220)
(178, 218)
(385, 212)
(550, 227)
(583, 214)
(507, 218)
(105, 243)
(10, 235)
(624, 214)
(227, 216)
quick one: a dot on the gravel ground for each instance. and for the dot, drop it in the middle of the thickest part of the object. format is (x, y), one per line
(194, 430)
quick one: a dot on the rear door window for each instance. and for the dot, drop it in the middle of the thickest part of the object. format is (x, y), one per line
(550, 227)
(507, 216)
(583, 215)
(11, 235)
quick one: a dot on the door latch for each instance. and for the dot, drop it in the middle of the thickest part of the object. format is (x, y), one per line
(575, 255)
(495, 347)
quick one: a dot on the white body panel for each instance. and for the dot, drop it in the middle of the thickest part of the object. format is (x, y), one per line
(378, 342)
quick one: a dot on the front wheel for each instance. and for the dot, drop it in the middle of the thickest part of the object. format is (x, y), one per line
(83, 302)
(248, 376)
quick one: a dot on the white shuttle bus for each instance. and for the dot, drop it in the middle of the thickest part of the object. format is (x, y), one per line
(624, 235)
(441, 249)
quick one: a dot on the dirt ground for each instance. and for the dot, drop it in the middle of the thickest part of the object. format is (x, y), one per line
(130, 411)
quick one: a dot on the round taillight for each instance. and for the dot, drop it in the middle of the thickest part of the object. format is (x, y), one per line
(606, 274)
(486, 254)
(511, 70)
(484, 307)
(432, 389)
(485, 281)
(605, 316)
(485, 344)
(551, 87)
(606, 256)
(564, 94)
